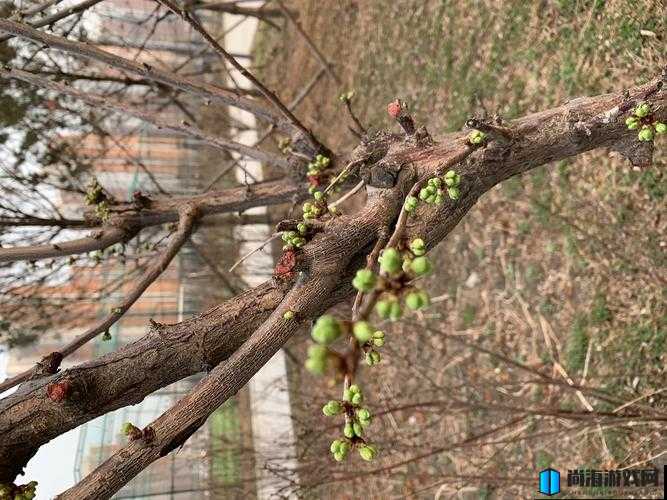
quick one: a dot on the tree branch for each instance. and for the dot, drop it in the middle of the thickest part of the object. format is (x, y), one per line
(50, 363)
(321, 278)
(184, 128)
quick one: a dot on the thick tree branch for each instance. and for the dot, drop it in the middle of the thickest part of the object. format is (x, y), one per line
(29, 418)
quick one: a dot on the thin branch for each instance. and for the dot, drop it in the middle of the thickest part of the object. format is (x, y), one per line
(188, 216)
(270, 96)
(97, 241)
(53, 18)
(196, 87)
(184, 128)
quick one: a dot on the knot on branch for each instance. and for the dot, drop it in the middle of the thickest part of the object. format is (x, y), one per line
(49, 364)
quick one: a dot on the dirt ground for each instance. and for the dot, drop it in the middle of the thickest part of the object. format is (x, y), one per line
(562, 271)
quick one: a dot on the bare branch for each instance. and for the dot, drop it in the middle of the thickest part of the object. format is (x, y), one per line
(184, 128)
(204, 90)
(188, 215)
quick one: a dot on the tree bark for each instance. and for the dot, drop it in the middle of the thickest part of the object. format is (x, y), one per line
(29, 418)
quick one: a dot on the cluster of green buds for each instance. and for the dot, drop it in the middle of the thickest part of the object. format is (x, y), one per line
(316, 166)
(292, 239)
(346, 96)
(410, 204)
(94, 193)
(434, 191)
(641, 119)
(317, 360)
(356, 420)
(476, 137)
(95, 196)
(311, 211)
(284, 145)
(22, 492)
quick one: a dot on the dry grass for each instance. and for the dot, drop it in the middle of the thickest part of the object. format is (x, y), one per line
(563, 270)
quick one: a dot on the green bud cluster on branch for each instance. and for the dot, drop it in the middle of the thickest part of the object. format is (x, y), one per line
(476, 137)
(642, 119)
(346, 96)
(315, 169)
(95, 196)
(22, 492)
(434, 191)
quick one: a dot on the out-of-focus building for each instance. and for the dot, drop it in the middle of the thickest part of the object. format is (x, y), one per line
(209, 464)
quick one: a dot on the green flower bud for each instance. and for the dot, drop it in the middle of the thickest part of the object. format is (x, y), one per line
(358, 429)
(344, 448)
(476, 137)
(383, 308)
(318, 195)
(316, 366)
(410, 204)
(355, 389)
(368, 452)
(348, 430)
(660, 128)
(418, 247)
(332, 408)
(326, 330)
(312, 189)
(396, 311)
(435, 182)
(424, 193)
(302, 228)
(288, 315)
(357, 398)
(646, 134)
(347, 395)
(373, 357)
(364, 414)
(413, 301)
(390, 261)
(338, 457)
(127, 428)
(642, 110)
(363, 331)
(378, 334)
(335, 445)
(632, 122)
(364, 281)
(421, 266)
(317, 351)
(454, 193)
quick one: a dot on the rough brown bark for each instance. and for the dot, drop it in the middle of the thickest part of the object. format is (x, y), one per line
(29, 419)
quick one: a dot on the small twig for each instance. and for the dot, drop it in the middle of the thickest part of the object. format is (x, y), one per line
(255, 250)
(347, 195)
(348, 168)
(348, 106)
(270, 96)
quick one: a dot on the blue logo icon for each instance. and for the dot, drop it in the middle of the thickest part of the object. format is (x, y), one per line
(549, 482)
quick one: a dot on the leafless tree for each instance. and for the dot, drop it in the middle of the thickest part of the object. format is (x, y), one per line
(235, 339)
